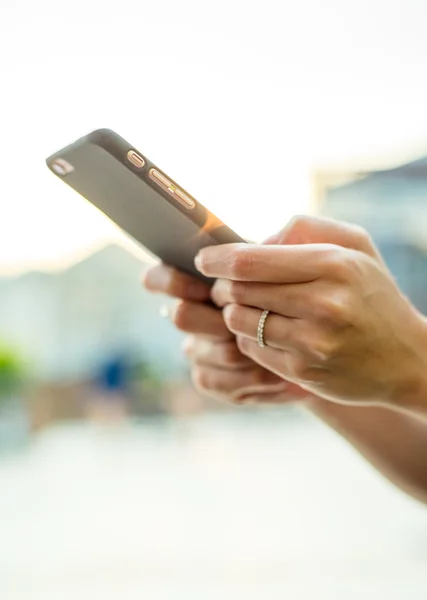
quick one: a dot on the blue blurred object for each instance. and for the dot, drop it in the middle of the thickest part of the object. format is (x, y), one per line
(114, 375)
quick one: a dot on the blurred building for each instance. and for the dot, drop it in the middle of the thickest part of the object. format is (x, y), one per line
(69, 324)
(392, 205)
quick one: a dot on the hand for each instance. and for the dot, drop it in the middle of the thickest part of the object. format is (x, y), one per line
(339, 327)
(218, 367)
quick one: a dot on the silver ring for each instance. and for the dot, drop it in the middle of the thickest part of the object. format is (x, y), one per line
(261, 327)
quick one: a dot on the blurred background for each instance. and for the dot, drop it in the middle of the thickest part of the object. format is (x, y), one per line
(116, 479)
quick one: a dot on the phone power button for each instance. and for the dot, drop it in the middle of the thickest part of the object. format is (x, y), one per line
(136, 159)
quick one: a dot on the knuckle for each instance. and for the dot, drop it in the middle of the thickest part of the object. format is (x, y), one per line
(259, 377)
(177, 286)
(297, 229)
(243, 345)
(237, 291)
(182, 316)
(298, 368)
(238, 398)
(324, 349)
(336, 308)
(363, 239)
(299, 221)
(231, 354)
(336, 258)
(343, 264)
(360, 233)
(200, 379)
(240, 262)
(349, 267)
(303, 371)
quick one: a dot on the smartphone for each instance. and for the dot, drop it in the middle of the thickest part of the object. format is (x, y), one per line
(140, 198)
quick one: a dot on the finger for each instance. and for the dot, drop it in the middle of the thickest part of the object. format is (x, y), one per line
(292, 367)
(269, 264)
(280, 332)
(265, 399)
(206, 351)
(291, 300)
(305, 229)
(237, 384)
(170, 281)
(272, 359)
(291, 393)
(199, 318)
(272, 239)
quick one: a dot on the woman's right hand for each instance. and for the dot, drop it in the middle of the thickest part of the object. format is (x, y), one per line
(217, 366)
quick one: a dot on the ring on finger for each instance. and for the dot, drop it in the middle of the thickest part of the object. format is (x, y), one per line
(261, 327)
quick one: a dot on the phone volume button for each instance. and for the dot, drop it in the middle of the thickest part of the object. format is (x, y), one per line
(174, 191)
(160, 178)
(184, 198)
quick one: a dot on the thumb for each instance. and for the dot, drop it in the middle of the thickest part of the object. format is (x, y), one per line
(273, 239)
(319, 230)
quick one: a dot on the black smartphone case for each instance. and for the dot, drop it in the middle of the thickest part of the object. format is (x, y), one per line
(103, 174)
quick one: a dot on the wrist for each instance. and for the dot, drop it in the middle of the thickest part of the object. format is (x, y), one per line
(411, 393)
(413, 397)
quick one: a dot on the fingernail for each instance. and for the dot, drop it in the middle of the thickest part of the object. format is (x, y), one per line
(151, 279)
(226, 313)
(187, 345)
(174, 309)
(198, 262)
(145, 278)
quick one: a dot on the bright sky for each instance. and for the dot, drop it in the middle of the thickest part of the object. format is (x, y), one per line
(236, 100)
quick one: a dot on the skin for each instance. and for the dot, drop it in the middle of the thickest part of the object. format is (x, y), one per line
(339, 326)
(342, 339)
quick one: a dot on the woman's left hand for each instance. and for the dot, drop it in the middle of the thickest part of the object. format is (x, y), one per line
(338, 326)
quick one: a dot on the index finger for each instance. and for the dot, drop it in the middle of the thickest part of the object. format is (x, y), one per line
(267, 264)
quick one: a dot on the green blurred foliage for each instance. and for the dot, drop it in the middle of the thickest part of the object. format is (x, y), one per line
(146, 372)
(13, 372)
(147, 386)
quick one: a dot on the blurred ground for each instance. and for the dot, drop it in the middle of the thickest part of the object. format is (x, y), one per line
(221, 506)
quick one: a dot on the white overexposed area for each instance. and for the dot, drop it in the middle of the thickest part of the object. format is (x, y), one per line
(231, 507)
(236, 100)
